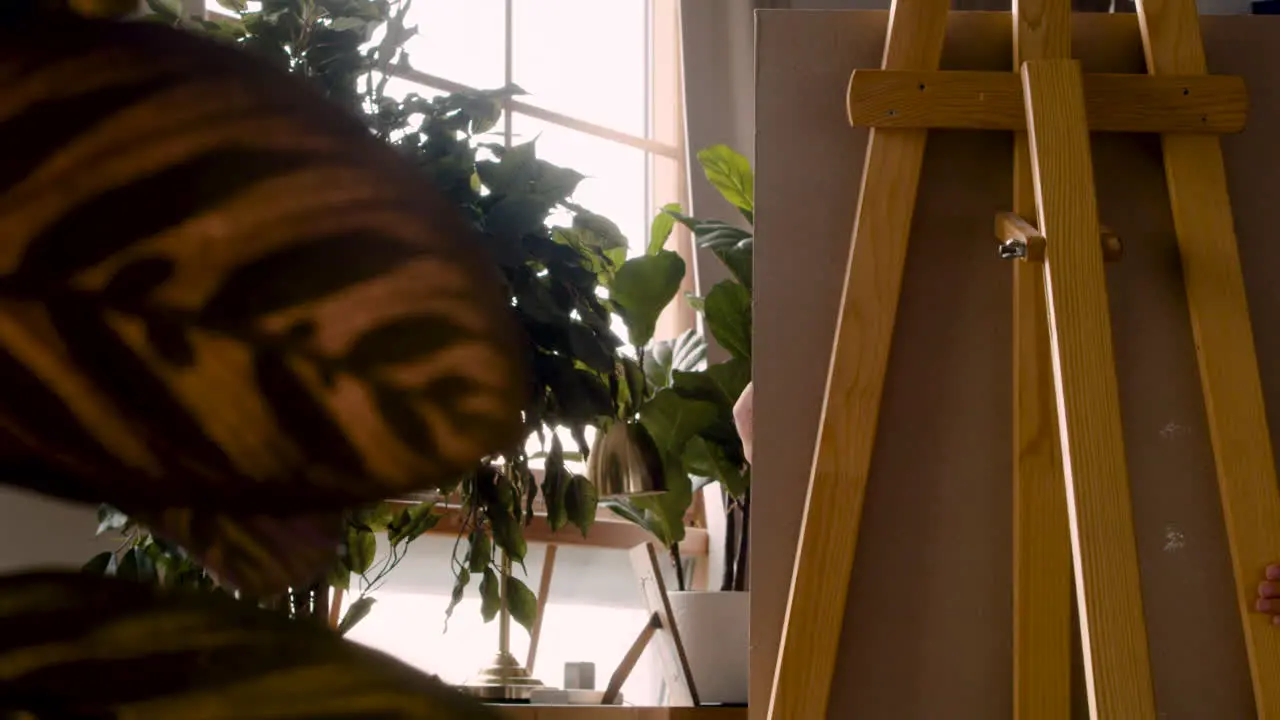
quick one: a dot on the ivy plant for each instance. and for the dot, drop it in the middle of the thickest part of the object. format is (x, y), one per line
(554, 275)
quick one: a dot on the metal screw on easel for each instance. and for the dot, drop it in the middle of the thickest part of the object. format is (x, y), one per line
(1013, 249)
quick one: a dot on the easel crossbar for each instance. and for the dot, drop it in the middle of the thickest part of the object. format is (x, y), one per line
(979, 100)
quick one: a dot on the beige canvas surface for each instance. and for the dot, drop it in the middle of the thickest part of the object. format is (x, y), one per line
(927, 632)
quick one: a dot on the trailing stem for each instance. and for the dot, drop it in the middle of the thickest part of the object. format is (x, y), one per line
(744, 535)
(675, 560)
(730, 530)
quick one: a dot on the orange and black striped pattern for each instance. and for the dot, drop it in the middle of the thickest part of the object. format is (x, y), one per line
(221, 297)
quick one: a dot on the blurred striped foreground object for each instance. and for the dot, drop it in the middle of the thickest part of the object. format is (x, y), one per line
(230, 311)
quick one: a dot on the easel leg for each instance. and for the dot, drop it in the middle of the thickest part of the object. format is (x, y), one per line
(1225, 349)
(846, 435)
(1113, 628)
(1041, 542)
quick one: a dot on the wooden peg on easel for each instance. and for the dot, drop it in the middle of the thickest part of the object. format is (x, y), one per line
(1020, 240)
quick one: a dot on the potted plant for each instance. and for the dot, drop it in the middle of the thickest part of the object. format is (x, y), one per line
(552, 275)
(685, 407)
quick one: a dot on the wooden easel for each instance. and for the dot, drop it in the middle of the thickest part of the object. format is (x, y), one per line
(1067, 426)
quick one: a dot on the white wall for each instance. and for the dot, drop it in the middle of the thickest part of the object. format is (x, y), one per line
(39, 532)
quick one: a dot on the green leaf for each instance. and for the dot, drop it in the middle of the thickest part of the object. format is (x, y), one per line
(480, 553)
(459, 589)
(556, 184)
(718, 235)
(705, 458)
(589, 348)
(701, 386)
(362, 547)
(515, 169)
(731, 376)
(581, 499)
(412, 522)
(507, 534)
(342, 24)
(624, 509)
(632, 385)
(728, 313)
(738, 259)
(611, 237)
(731, 244)
(660, 229)
(168, 9)
(731, 174)
(515, 216)
(642, 288)
(671, 419)
(490, 595)
(696, 302)
(523, 603)
(376, 517)
(229, 659)
(236, 6)
(554, 485)
(103, 563)
(339, 577)
(358, 611)
(582, 396)
(136, 565)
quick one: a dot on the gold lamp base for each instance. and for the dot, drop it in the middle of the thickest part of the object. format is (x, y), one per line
(504, 679)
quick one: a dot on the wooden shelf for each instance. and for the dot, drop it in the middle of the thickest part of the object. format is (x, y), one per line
(601, 712)
(607, 532)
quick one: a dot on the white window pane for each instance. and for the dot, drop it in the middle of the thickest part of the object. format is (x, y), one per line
(462, 41)
(583, 58)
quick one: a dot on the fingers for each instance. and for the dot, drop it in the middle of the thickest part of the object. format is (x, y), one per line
(1269, 594)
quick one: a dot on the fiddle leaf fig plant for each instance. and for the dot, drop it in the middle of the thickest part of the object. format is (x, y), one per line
(686, 405)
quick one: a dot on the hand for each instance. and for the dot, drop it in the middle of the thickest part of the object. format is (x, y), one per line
(744, 418)
(1269, 594)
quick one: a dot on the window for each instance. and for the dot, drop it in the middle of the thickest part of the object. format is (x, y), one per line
(600, 98)
(603, 85)
(593, 614)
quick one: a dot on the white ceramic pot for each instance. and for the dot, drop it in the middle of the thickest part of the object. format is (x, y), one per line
(714, 630)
